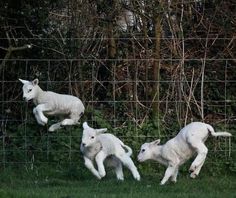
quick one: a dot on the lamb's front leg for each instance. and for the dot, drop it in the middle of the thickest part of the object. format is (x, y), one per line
(100, 157)
(38, 112)
(169, 172)
(174, 176)
(38, 119)
(89, 164)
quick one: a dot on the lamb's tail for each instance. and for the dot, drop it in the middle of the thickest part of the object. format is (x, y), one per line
(129, 150)
(216, 134)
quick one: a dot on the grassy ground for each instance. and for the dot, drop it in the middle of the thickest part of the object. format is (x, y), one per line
(33, 186)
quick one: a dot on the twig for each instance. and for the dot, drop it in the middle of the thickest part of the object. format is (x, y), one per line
(11, 49)
(189, 98)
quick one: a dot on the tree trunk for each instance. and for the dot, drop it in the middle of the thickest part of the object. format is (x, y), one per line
(156, 72)
(111, 41)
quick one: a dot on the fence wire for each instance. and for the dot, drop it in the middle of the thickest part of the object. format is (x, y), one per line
(118, 96)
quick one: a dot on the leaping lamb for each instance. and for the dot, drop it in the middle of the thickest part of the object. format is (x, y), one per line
(51, 103)
(105, 147)
(178, 150)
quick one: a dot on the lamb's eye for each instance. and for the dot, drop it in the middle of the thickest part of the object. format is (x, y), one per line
(143, 150)
(92, 137)
(29, 90)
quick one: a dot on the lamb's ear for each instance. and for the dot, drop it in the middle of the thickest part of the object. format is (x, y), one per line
(35, 81)
(99, 131)
(156, 142)
(24, 81)
(85, 125)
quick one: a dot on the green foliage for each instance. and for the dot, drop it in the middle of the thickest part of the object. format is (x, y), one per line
(35, 147)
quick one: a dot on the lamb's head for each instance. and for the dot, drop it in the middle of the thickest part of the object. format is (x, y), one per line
(147, 149)
(29, 89)
(90, 135)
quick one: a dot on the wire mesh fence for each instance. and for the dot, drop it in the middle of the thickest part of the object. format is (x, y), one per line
(118, 94)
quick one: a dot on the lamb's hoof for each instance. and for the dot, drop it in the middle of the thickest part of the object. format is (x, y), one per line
(67, 122)
(45, 120)
(192, 169)
(54, 127)
(137, 177)
(174, 180)
(120, 178)
(98, 177)
(51, 129)
(64, 123)
(193, 175)
(42, 123)
(102, 174)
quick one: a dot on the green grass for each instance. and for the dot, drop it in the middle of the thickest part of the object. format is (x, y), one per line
(34, 186)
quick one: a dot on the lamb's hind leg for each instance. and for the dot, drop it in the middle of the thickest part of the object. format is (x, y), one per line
(127, 161)
(55, 126)
(195, 173)
(73, 120)
(119, 171)
(68, 122)
(200, 159)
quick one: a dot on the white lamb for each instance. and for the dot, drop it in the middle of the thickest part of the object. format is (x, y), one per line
(178, 150)
(106, 147)
(51, 103)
